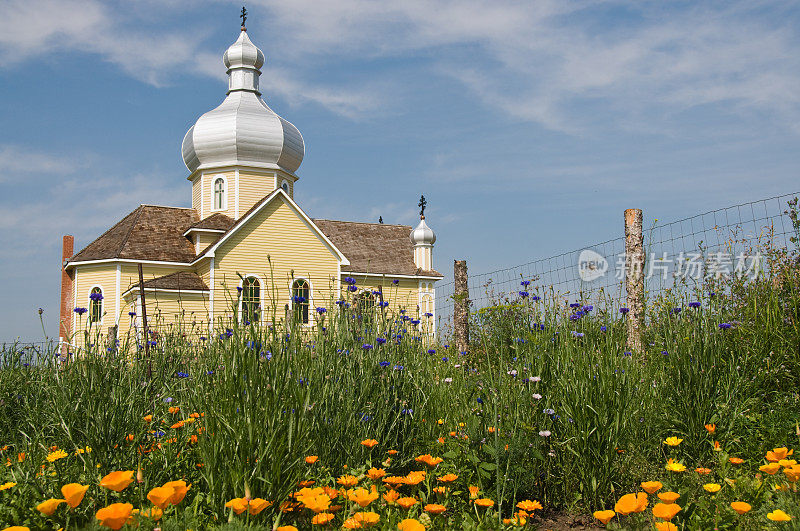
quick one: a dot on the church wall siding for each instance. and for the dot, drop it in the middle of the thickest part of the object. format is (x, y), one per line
(253, 187)
(291, 245)
(86, 277)
(197, 195)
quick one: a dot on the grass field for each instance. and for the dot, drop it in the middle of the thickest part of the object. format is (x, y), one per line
(361, 422)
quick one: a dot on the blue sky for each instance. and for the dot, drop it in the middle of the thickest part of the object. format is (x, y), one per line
(529, 126)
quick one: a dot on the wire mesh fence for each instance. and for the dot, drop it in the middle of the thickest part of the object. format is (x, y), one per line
(680, 254)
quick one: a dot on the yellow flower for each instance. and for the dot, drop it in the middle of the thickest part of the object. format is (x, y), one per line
(529, 506)
(740, 507)
(48, 507)
(409, 524)
(322, 518)
(362, 496)
(672, 441)
(17, 528)
(666, 511)
(484, 502)
(286, 528)
(650, 487)
(7, 485)
(666, 526)
(117, 481)
(604, 516)
(793, 473)
(115, 515)
(713, 488)
(674, 466)
(778, 516)
(631, 503)
(770, 469)
(787, 462)
(73, 493)
(369, 443)
(55, 456)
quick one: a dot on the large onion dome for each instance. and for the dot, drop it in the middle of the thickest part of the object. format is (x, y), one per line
(243, 130)
(422, 234)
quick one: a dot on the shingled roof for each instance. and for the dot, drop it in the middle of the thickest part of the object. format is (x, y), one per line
(148, 233)
(214, 222)
(374, 247)
(181, 281)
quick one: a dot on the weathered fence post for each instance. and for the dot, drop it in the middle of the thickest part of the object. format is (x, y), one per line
(460, 305)
(634, 278)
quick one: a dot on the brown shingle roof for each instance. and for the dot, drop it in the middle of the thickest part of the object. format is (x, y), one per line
(214, 222)
(148, 233)
(182, 280)
(373, 247)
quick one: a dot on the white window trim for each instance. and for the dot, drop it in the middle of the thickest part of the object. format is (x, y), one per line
(288, 189)
(260, 295)
(311, 308)
(225, 192)
(89, 305)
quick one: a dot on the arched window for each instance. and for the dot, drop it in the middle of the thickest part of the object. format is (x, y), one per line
(95, 305)
(219, 193)
(301, 296)
(251, 300)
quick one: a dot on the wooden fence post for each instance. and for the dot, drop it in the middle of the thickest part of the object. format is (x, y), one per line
(461, 305)
(634, 278)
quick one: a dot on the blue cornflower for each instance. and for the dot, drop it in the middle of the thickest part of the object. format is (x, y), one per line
(577, 334)
(431, 351)
(96, 297)
(352, 287)
(588, 308)
(383, 304)
(444, 359)
(575, 305)
(525, 283)
(182, 375)
(366, 346)
(548, 411)
(407, 412)
(229, 332)
(132, 314)
(380, 340)
(676, 310)
(80, 311)
(339, 303)
(209, 373)
(445, 346)
(724, 326)
(623, 311)
(298, 299)
(203, 338)
(480, 400)
(536, 298)
(168, 400)
(321, 310)
(398, 367)
(574, 317)
(524, 294)
(395, 282)
(665, 353)
(414, 321)
(384, 364)
(428, 314)
(239, 289)
(694, 304)
(603, 328)
(350, 280)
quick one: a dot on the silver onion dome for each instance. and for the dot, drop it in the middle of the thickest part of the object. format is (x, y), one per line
(243, 130)
(422, 234)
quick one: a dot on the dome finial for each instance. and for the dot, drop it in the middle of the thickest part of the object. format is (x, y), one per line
(243, 16)
(422, 204)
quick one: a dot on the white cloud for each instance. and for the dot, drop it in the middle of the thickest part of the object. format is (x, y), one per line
(19, 160)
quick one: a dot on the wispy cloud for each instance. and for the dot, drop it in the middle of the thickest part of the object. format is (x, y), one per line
(20, 160)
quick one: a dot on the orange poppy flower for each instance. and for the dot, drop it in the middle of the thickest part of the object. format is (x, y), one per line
(665, 526)
(115, 515)
(776, 454)
(73, 493)
(740, 507)
(666, 511)
(286, 528)
(650, 487)
(179, 490)
(770, 469)
(160, 496)
(669, 496)
(604, 516)
(369, 443)
(257, 505)
(117, 481)
(631, 503)
(48, 507)
(239, 505)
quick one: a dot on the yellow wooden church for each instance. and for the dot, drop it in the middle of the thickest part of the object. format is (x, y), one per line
(245, 248)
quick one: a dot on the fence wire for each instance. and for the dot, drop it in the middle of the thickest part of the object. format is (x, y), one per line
(679, 255)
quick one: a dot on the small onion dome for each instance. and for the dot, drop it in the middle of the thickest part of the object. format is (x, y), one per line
(243, 130)
(423, 234)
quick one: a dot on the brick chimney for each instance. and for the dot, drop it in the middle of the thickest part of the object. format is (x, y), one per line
(67, 280)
